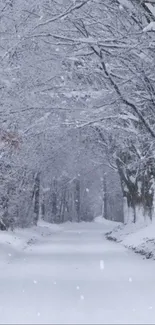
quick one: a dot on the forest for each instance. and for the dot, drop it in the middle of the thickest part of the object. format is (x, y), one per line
(77, 111)
(77, 162)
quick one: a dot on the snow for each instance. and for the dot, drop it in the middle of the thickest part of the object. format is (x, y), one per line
(126, 3)
(121, 7)
(101, 265)
(106, 223)
(139, 237)
(12, 243)
(150, 27)
(151, 7)
(129, 214)
(69, 286)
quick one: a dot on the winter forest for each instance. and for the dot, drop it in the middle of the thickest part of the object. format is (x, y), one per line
(77, 114)
(77, 110)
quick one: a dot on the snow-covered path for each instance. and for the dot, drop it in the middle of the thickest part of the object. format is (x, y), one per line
(76, 276)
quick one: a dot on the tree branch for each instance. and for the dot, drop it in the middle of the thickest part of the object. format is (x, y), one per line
(122, 97)
(64, 14)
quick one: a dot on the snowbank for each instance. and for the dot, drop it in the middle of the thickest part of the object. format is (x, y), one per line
(106, 222)
(13, 242)
(138, 237)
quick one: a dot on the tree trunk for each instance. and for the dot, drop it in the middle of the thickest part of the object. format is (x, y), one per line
(140, 193)
(2, 225)
(54, 204)
(105, 207)
(43, 210)
(77, 199)
(129, 189)
(36, 198)
(63, 206)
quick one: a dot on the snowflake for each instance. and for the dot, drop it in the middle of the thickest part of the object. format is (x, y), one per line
(101, 265)
(35, 281)
(82, 297)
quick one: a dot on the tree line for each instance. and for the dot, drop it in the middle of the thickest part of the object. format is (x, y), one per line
(77, 80)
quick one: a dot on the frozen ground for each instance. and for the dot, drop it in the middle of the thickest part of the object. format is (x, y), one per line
(72, 274)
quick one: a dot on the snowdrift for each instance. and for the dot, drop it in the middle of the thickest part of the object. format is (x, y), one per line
(13, 242)
(106, 222)
(138, 237)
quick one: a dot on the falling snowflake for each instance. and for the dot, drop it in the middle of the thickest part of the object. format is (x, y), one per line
(35, 281)
(77, 287)
(101, 265)
(54, 282)
(121, 7)
(82, 297)
(87, 190)
(9, 255)
(38, 314)
(130, 279)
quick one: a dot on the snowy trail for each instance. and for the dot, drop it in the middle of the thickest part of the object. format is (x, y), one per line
(76, 276)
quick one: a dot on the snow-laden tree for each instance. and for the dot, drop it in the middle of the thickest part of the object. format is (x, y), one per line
(70, 69)
(112, 59)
